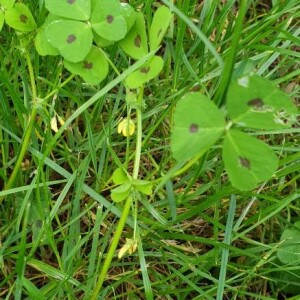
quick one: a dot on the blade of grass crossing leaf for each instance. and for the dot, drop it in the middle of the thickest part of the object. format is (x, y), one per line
(144, 268)
(225, 251)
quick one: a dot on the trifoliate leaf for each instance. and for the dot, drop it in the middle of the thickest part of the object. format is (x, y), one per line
(121, 192)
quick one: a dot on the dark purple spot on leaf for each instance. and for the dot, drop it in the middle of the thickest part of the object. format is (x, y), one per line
(145, 70)
(71, 1)
(109, 19)
(256, 103)
(244, 162)
(71, 38)
(23, 18)
(137, 41)
(193, 128)
(87, 65)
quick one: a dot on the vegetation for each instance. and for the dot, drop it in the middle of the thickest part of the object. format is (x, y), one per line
(149, 150)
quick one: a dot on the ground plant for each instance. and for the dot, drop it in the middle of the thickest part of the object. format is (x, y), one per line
(149, 149)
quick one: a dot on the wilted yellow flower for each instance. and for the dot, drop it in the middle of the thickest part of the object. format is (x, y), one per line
(130, 247)
(126, 127)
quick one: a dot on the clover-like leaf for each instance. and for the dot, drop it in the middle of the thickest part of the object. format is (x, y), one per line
(7, 3)
(72, 9)
(135, 44)
(143, 186)
(129, 14)
(108, 21)
(119, 176)
(253, 101)
(248, 161)
(289, 249)
(1, 19)
(160, 23)
(93, 68)
(198, 124)
(147, 72)
(100, 41)
(41, 43)
(20, 18)
(73, 39)
(121, 192)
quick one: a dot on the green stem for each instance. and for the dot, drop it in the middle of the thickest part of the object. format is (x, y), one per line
(112, 249)
(29, 128)
(126, 209)
(138, 135)
(229, 63)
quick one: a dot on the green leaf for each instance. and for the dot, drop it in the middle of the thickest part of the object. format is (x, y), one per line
(1, 19)
(73, 39)
(147, 72)
(135, 44)
(129, 14)
(93, 69)
(255, 102)
(198, 125)
(42, 45)
(7, 3)
(248, 161)
(119, 176)
(159, 26)
(143, 186)
(72, 9)
(100, 41)
(289, 249)
(121, 192)
(20, 18)
(107, 20)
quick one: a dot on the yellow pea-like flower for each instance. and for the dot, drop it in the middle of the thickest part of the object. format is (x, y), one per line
(126, 127)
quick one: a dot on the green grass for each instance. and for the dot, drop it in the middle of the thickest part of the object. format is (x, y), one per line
(198, 238)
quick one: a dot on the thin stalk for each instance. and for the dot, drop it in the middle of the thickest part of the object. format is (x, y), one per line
(230, 61)
(112, 249)
(29, 128)
(126, 210)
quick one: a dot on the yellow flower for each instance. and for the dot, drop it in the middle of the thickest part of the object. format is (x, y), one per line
(126, 127)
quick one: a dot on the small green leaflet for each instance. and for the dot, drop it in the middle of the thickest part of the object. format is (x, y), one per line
(135, 44)
(43, 47)
(159, 26)
(198, 124)
(108, 21)
(147, 72)
(72, 9)
(289, 249)
(7, 3)
(248, 161)
(20, 18)
(255, 102)
(73, 39)
(129, 14)
(93, 69)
